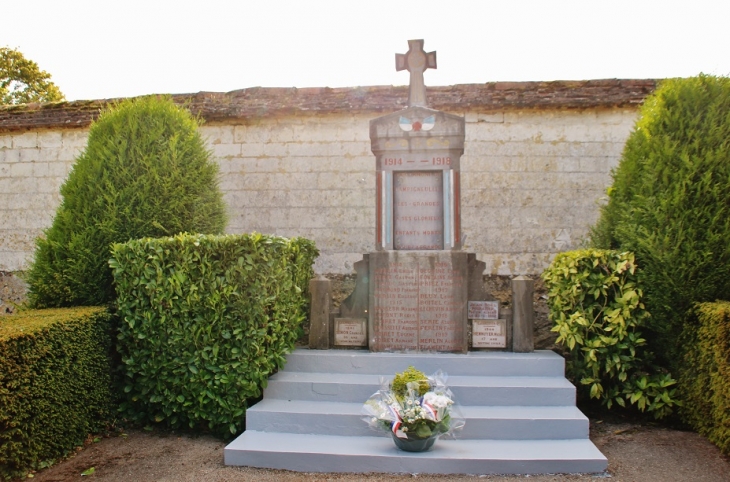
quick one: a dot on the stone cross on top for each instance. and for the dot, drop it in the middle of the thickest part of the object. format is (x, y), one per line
(416, 61)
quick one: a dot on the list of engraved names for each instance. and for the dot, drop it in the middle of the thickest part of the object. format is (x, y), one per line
(418, 306)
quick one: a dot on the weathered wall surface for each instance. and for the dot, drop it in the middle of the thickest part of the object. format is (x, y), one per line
(532, 179)
(33, 165)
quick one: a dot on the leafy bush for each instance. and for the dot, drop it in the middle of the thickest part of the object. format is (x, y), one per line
(670, 204)
(55, 384)
(205, 321)
(145, 172)
(705, 374)
(596, 305)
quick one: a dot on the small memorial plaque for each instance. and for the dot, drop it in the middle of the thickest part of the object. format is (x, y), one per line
(489, 334)
(483, 310)
(351, 332)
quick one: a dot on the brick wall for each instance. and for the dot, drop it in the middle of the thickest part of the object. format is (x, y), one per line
(532, 177)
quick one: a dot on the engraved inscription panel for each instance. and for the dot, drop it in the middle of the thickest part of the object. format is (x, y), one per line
(489, 334)
(483, 310)
(396, 306)
(419, 304)
(351, 331)
(418, 210)
(440, 308)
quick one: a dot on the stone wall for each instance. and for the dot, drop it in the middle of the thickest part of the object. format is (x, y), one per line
(533, 173)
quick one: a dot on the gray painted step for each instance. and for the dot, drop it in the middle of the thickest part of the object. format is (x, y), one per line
(520, 410)
(468, 390)
(499, 423)
(322, 453)
(542, 363)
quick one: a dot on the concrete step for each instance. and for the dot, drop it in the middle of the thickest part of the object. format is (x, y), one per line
(499, 423)
(468, 390)
(542, 363)
(328, 453)
(520, 411)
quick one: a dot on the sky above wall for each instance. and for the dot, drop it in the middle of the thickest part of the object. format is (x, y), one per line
(96, 49)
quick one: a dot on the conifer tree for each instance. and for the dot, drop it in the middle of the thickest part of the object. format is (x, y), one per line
(145, 172)
(670, 204)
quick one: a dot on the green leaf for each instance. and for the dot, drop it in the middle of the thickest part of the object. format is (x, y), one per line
(88, 471)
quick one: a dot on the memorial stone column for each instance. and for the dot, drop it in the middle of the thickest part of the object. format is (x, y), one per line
(418, 276)
(415, 292)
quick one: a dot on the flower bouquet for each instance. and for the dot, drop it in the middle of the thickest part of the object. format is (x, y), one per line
(415, 409)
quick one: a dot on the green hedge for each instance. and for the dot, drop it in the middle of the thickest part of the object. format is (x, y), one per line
(705, 375)
(595, 301)
(205, 320)
(55, 384)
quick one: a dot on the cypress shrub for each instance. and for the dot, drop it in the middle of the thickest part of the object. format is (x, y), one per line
(55, 384)
(204, 321)
(670, 204)
(145, 172)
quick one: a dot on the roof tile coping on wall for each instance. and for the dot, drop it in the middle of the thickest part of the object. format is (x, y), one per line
(262, 102)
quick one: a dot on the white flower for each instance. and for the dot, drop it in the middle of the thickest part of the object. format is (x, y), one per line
(437, 401)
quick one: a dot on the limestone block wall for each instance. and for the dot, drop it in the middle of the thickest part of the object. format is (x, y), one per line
(33, 165)
(532, 181)
(310, 176)
(298, 162)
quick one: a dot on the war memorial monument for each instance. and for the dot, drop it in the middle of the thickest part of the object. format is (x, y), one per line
(419, 300)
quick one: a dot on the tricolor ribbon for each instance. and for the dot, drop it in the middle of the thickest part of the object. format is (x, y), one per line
(395, 426)
(430, 411)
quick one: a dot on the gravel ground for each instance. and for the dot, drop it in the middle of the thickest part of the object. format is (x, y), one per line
(635, 451)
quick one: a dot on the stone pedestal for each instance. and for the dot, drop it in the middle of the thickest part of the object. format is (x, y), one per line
(418, 301)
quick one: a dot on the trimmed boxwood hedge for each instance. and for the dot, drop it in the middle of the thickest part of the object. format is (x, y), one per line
(705, 374)
(55, 384)
(205, 320)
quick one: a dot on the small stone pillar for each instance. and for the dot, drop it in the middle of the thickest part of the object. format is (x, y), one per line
(523, 316)
(320, 289)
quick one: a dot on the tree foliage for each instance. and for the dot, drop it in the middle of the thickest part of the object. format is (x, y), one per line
(670, 204)
(145, 172)
(22, 81)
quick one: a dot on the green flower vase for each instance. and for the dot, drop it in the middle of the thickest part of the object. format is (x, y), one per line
(414, 445)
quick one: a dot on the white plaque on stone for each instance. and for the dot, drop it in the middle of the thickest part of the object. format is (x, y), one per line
(489, 333)
(483, 310)
(351, 332)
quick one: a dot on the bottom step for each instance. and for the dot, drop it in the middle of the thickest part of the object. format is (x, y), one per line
(329, 453)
